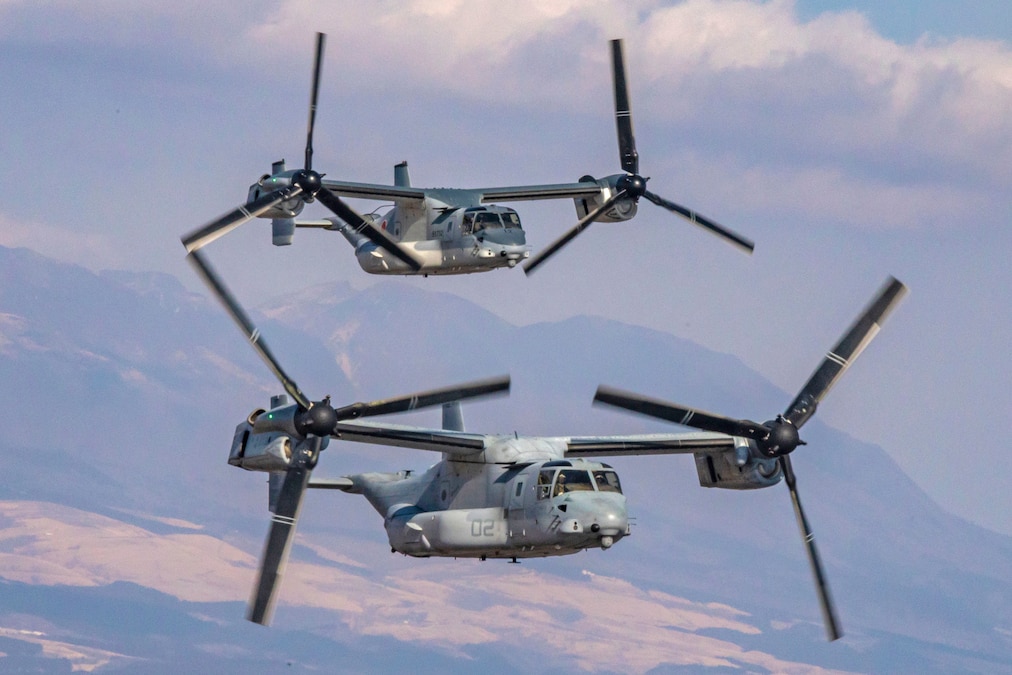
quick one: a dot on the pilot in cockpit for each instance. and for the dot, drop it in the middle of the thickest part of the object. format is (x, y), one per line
(560, 484)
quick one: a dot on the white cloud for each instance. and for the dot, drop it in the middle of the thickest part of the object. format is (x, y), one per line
(828, 109)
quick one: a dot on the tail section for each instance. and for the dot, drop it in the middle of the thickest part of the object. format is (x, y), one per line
(453, 416)
(401, 177)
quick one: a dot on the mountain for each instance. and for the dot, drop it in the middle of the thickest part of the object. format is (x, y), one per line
(126, 542)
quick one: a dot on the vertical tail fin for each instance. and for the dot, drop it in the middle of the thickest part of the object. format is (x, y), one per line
(401, 177)
(453, 416)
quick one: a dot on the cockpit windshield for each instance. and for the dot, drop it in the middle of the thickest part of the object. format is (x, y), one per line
(486, 220)
(511, 219)
(576, 480)
(607, 481)
(573, 480)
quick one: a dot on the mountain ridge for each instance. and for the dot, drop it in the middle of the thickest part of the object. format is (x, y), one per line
(143, 428)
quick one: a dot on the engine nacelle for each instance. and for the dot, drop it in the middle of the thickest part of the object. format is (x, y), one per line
(743, 468)
(276, 180)
(622, 210)
(279, 419)
(260, 451)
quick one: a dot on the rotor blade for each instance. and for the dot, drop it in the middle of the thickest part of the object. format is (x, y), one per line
(219, 227)
(279, 539)
(425, 399)
(704, 222)
(846, 351)
(671, 412)
(320, 40)
(241, 319)
(584, 223)
(833, 631)
(623, 115)
(348, 215)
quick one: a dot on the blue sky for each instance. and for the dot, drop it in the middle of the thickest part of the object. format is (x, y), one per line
(847, 144)
(906, 22)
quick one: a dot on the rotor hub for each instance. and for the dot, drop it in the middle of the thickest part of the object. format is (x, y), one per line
(633, 184)
(308, 180)
(319, 420)
(782, 439)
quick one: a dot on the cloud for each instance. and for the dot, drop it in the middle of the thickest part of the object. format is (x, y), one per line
(824, 101)
(772, 98)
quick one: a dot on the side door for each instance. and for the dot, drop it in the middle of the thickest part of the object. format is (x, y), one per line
(516, 506)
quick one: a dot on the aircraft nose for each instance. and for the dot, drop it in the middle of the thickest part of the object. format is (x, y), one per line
(610, 523)
(607, 517)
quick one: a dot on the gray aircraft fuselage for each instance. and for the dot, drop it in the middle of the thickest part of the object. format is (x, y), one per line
(445, 239)
(478, 509)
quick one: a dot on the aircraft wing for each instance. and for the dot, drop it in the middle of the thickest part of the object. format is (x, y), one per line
(487, 195)
(372, 190)
(458, 443)
(531, 192)
(648, 444)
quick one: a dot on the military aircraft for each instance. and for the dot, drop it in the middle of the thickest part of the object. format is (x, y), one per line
(446, 230)
(509, 496)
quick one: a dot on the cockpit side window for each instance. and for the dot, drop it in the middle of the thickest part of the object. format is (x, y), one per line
(545, 483)
(607, 481)
(467, 224)
(572, 480)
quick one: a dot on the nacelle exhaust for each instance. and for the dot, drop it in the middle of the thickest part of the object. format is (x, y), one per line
(260, 452)
(622, 210)
(278, 179)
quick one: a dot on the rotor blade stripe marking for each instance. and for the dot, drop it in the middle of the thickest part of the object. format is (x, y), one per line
(837, 359)
(284, 520)
(688, 416)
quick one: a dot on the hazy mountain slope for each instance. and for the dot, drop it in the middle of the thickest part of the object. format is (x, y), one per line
(123, 391)
(871, 521)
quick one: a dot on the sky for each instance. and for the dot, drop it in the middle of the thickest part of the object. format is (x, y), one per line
(850, 140)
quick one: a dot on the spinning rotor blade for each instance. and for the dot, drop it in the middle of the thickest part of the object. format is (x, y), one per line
(242, 320)
(730, 235)
(779, 437)
(672, 412)
(321, 39)
(425, 399)
(832, 623)
(219, 227)
(584, 223)
(279, 539)
(846, 351)
(623, 115)
(348, 215)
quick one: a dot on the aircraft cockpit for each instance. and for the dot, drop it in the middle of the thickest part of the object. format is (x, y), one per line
(489, 218)
(554, 482)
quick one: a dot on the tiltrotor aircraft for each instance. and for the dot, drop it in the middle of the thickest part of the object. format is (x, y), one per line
(495, 496)
(446, 230)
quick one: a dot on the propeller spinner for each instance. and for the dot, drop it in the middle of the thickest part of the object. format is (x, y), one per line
(632, 186)
(304, 184)
(779, 437)
(315, 422)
